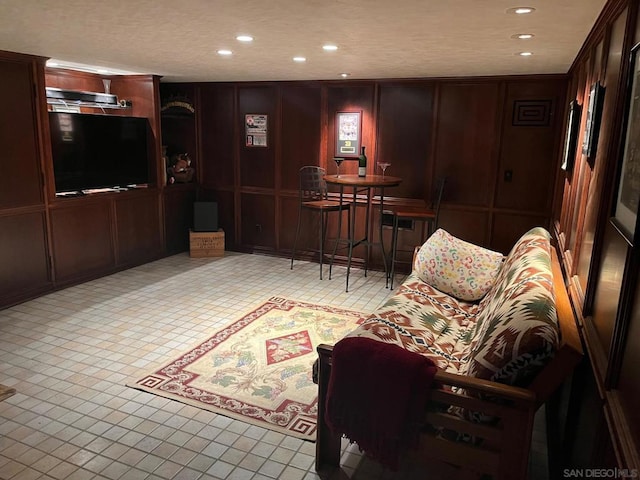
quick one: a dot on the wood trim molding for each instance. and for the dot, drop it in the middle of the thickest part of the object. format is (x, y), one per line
(597, 354)
(626, 448)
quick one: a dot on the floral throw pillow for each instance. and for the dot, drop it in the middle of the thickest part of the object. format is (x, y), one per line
(455, 267)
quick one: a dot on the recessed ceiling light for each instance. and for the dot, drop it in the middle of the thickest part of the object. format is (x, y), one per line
(102, 70)
(224, 52)
(299, 59)
(521, 10)
(330, 48)
(523, 36)
(344, 75)
(524, 54)
(244, 38)
(52, 64)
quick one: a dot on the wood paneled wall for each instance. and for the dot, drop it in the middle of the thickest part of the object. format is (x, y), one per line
(476, 132)
(48, 242)
(24, 249)
(601, 261)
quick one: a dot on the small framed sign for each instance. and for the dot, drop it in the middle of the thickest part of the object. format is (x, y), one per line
(256, 130)
(571, 136)
(592, 128)
(348, 132)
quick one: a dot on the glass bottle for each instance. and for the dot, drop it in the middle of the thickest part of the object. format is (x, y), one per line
(362, 164)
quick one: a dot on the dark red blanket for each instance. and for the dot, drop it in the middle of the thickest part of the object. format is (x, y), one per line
(376, 397)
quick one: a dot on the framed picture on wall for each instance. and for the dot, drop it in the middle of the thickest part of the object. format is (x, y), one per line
(626, 206)
(255, 130)
(571, 136)
(348, 134)
(594, 114)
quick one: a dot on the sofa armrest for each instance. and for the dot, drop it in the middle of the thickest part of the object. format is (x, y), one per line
(478, 385)
(570, 352)
(498, 454)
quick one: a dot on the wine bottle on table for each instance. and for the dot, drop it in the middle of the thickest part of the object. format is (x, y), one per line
(362, 164)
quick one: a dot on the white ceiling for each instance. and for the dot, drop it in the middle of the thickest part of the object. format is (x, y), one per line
(178, 39)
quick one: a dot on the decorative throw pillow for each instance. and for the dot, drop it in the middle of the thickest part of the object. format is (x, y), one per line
(458, 268)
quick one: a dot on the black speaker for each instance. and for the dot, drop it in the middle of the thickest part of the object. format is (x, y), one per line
(205, 216)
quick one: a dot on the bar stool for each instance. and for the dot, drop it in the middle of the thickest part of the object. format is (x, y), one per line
(428, 216)
(313, 196)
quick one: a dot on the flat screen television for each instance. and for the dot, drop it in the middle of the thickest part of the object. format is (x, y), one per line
(99, 151)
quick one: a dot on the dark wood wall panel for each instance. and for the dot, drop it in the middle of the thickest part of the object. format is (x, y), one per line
(399, 119)
(21, 181)
(289, 216)
(351, 98)
(603, 164)
(601, 263)
(405, 118)
(257, 164)
(23, 254)
(472, 226)
(301, 123)
(628, 384)
(74, 80)
(227, 217)
(82, 239)
(466, 140)
(138, 228)
(217, 135)
(178, 217)
(507, 228)
(605, 305)
(581, 178)
(141, 92)
(257, 213)
(528, 147)
(580, 170)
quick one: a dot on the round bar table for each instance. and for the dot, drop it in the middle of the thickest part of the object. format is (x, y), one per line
(361, 184)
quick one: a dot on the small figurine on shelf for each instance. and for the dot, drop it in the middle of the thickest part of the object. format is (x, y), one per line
(180, 170)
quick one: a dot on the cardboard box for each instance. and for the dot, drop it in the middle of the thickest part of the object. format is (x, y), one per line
(206, 244)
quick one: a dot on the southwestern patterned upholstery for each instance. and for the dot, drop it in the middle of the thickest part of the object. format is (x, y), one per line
(506, 337)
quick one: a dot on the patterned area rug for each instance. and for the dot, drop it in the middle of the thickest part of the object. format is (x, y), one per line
(259, 368)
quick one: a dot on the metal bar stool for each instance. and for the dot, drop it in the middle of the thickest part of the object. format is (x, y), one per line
(428, 216)
(313, 196)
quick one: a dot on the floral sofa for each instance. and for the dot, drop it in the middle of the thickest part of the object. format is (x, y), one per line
(491, 325)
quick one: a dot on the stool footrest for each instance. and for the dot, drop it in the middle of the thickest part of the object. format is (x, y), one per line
(424, 215)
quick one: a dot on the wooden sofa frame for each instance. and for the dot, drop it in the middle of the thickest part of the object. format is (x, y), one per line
(504, 450)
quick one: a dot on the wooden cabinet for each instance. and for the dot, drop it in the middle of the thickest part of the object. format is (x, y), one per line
(24, 256)
(82, 239)
(138, 229)
(101, 233)
(24, 252)
(48, 242)
(21, 180)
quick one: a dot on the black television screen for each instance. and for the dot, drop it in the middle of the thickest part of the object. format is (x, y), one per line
(98, 151)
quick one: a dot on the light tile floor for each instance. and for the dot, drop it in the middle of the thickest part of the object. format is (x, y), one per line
(70, 353)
